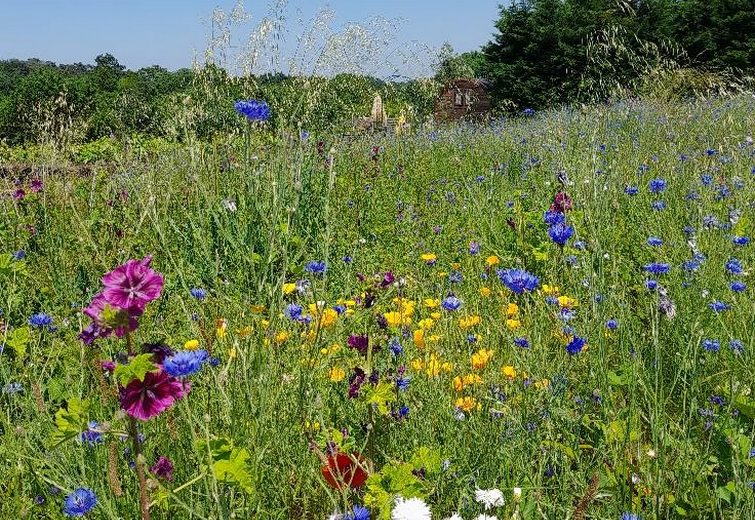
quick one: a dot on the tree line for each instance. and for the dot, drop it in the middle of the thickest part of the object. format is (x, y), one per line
(542, 53)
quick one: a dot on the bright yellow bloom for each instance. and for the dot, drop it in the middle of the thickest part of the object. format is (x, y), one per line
(281, 337)
(485, 291)
(492, 260)
(435, 315)
(419, 338)
(481, 358)
(456, 265)
(513, 324)
(192, 344)
(336, 374)
(461, 382)
(232, 353)
(311, 426)
(435, 366)
(428, 257)
(328, 318)
(512, 309)
(434, 338)
(220, 328)
(542, 384)
(288, 288)
(567, 301)
(447, 367)
(417, 364)
(467, 322)
(397, 319)
(550, 290)
(431, 303)
(426, 324)
(265, 323)
(509, 371)
(467, 404)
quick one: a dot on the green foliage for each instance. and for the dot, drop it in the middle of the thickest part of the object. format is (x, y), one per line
(229, 464)
(136, 368)
(71, 420)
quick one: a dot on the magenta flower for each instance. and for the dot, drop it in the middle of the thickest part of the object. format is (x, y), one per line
(133, 285)
(151, 397)
(100, 329)
(163, 468)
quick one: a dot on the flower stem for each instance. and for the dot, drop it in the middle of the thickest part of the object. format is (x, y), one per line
(138, 457)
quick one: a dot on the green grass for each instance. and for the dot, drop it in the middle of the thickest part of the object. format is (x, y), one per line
(625, 412)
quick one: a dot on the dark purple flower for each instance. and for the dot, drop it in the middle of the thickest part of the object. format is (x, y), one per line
(132, 285)
(163, 468)
(360, 343)
(149, 398)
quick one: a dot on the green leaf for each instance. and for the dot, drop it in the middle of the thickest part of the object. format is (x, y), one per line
(381, 395)
(137, 368)
(394, 479)
(17, 341)
(71, 420)
(229, 464)
(427, 459)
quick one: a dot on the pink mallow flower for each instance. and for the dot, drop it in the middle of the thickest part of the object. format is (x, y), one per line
(133, 285)
(163, 468)
(151, 397)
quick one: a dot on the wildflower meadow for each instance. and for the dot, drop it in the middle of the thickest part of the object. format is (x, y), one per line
(548, 315)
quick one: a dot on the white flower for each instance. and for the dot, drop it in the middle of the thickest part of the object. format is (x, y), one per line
(517, 493)
(489, 497)
(486, 517)
(454, 516)
(230, 205)
(412, 509)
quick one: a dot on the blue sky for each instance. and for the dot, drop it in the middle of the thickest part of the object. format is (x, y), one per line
(169, 32)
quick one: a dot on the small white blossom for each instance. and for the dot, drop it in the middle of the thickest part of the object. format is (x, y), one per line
(412, 509)
(489, 497)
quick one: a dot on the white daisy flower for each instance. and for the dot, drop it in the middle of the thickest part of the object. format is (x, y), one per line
(412, 509)
(486, 517)
(489, 497)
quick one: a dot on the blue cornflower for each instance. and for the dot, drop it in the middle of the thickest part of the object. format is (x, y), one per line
(651, 285)
(402, 383)
(571, 260)
(451, 303)
(657, 268)
(455, 277)
(710, 152)
(566, 314)
(560, 233)
(293, 311)
(631, 190)
(340, 309)
(41, 321)
(91, 435)
(738, 286)
(580, 244)
(522, 342)
(347, 259)
(719, 306)
(706, 179)
(688, 230)
(198, 293)
(711, 345)
(551, 300)
(474, 247)
(316, 267)
(528, 112)
(612, 324)
(394, 345)
(717, 400)
(736, 346)
(554, 217)
(576, 345)
(358, 513)
(471, 338)
(19, 255)
(692, 195)
(657, 185)
(518, 280)
(740, 241)
(752, 453)
(253, 109)
(80, 502)
(185, 363)
(629, 516)
(214, 361)
(691, 265)
(710, 221)
(655, 241)
(658, 205)
(401, 413)
(734, 266)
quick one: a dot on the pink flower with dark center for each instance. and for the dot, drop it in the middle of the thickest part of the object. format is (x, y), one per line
(133, 285)
(151, 397)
